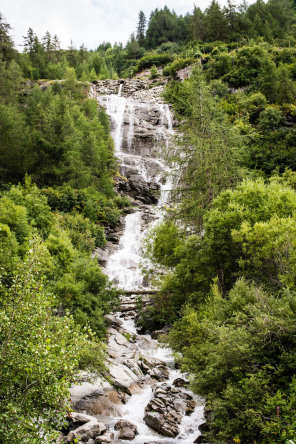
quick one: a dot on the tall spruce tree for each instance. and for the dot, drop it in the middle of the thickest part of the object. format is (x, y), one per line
(215, 22)
(141, 29)
(197, 29)
(6, 44)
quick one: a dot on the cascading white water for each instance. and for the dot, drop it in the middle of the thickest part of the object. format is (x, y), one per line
(115, 107)
(134, 410)
(123, 266)
(131, 113)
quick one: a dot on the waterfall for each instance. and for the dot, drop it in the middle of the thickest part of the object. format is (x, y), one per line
(123, 267)
(115, 107)
(124, 264)
(131, 113)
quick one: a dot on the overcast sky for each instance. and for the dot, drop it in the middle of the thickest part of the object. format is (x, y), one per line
(85, 21)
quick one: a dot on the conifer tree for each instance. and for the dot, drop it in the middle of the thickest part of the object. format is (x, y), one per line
(215, 22)
(141, 29)
(47, 42)
(29, 41)
(6, 44)
(197, 31)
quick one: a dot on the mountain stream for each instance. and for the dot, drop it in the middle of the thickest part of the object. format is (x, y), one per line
(154, 398)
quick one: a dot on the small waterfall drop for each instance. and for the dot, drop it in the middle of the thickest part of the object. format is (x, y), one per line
(115, 107)
(123, 267)
(131, 113)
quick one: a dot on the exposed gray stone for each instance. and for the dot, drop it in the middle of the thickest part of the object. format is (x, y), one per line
(124, 378)
(180, 382)
(163, 425)
(105, 438)
(87, 431)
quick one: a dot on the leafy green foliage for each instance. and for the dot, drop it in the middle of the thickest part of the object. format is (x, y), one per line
(74, 278)
(177, 64)
(240, 351)
(210, 149)
(39, 357)
(153, 58)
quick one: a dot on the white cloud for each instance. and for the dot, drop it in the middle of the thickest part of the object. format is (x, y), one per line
(84, 21)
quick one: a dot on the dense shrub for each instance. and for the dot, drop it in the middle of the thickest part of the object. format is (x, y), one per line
(153, 58)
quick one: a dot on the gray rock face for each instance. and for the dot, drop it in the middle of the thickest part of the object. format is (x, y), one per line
(162, 424)
(137, 88)
(165, 411)
(180, 382)
(141, 130)
(96, 397)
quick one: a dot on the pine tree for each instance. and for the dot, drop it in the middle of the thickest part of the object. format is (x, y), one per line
(29, 41)
(215, 22)
(141, 29)
(47, 42)
(197, 30)
(6, 45)
(56, 43)
(232, 20)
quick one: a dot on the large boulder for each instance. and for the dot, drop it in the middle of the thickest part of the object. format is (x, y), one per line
(127, 430)
(91, 428)
(124, 378)
(165, 411)
(107, 437)
(162, 424)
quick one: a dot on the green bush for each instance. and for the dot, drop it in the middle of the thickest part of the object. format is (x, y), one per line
(84, 234)
(39, 358)
(240, 351)
(153, 58)
(83, 290)
(270, 119)
(176, 65)
(15, 216)
(153, 72)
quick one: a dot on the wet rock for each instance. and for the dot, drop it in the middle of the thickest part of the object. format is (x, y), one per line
(161, 373)
(200, 439)
(105, 438)
(95, 398)
(180, 382)
(165, 411)
(157, 422)
(157, 333)
(190, 407)
(81, 418)
(203, 427)
(89, 430)
(119, 347)
(127, 430)
(113, 320)
(124, 378)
